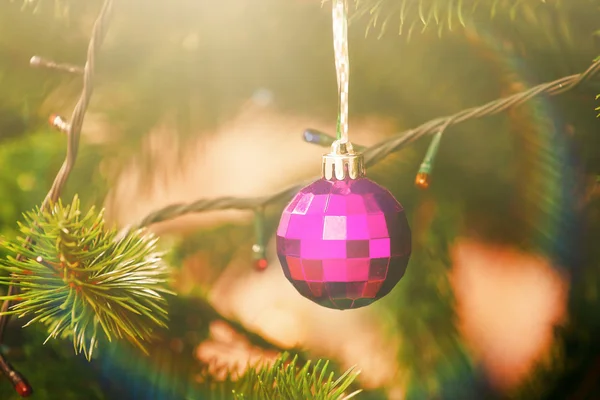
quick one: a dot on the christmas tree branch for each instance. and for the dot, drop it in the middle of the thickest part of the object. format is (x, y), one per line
(288, 379)
(378, 152)
(74, 132)
(415, 16)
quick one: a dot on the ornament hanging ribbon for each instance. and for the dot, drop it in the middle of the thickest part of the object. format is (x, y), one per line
(342, 64)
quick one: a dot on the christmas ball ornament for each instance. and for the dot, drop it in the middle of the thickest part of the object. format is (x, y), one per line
(343, 241)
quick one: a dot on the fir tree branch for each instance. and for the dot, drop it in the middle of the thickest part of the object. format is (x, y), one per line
(378, 152)
(80, 280)
(286, 380)
(74, 133)
(418, 15)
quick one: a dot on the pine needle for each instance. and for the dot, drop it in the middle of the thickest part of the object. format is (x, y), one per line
(80, 279)
(440, 13)
(285, 379)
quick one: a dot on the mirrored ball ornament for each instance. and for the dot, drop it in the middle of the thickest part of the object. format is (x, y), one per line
(344, 243)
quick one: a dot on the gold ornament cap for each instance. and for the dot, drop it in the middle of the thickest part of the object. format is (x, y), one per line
(343, 163)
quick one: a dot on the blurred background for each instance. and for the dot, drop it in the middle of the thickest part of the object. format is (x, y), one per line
(200, 99)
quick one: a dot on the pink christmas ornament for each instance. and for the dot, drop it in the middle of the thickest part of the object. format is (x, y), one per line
(343, 241)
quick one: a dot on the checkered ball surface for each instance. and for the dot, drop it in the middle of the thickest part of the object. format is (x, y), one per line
(344, 244)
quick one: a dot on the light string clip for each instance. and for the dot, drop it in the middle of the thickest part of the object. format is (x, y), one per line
(423, 178)
(59, 123)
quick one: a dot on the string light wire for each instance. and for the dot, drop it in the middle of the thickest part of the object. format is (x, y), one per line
(378, 152)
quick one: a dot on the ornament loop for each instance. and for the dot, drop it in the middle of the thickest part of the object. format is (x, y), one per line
(342, 63)
(343, 163)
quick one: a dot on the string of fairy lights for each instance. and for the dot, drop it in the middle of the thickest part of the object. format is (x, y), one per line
(373, 155)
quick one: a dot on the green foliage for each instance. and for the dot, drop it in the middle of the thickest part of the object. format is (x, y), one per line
(283, 380)
(51, 368)
(80, 277)
(434, 360)
(572, 364)
(28, 167)
(431, 351)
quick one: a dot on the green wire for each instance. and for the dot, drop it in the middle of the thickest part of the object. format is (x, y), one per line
(427, 164)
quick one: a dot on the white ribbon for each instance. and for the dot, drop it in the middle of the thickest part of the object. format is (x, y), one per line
(342, 66)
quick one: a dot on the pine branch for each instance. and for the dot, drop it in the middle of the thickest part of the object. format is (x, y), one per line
(378, 152)
(62, 176)
(285, 380)
(74, 131)
(80, 279)
(418, 15)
